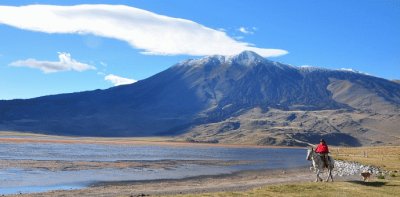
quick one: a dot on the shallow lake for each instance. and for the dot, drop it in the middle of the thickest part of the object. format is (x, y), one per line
(23, 180)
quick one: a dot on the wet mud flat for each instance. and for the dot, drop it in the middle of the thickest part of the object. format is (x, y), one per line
(30, 176)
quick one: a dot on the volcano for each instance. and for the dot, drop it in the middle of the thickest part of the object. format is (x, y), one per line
(243, 99)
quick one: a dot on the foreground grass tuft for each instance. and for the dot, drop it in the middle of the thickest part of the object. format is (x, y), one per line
(348, 188)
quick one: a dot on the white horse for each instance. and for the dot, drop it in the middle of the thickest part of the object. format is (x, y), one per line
(318, 164)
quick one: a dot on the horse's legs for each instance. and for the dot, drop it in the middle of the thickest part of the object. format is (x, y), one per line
(318, 177)
(330, 174)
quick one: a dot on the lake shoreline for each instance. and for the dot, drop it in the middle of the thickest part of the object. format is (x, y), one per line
(237, 181)
(217, 176)
(232, 181)
(242, 181)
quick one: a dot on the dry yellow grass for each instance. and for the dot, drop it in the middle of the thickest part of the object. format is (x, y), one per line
(387, 158)
(15, 134)
(21, 137)
(353, 189)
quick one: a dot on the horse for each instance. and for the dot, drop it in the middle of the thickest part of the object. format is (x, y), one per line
(318, 164)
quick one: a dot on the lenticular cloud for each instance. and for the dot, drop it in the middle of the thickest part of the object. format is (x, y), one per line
(150, 32)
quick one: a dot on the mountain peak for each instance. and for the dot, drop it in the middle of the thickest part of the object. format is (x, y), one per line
(248, 55)
(247, 58)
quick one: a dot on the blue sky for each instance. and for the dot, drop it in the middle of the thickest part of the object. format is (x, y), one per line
(361, 35)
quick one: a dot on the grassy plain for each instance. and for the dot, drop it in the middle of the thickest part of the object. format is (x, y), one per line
(387, 158)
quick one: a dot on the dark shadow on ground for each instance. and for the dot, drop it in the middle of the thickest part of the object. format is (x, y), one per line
(372, 184)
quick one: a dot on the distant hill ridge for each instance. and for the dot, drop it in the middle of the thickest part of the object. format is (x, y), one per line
(210, 91)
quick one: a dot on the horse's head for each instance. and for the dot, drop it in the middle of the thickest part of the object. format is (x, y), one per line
(310, 150)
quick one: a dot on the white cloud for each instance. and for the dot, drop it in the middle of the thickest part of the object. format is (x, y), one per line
(247, 30)
(238, 37)
(103, 64)
(150, 32)
(117, 80)
(65, 63)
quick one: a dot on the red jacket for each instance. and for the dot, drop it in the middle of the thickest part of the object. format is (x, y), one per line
(322, 148)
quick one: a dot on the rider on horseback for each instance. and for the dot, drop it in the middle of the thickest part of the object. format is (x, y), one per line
(322, 150)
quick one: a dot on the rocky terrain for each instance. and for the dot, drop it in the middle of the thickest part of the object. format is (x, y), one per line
(347, 168)
(241, 99)
(279, 127)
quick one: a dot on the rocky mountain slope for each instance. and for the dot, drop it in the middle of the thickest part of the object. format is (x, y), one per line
(238, 99)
